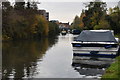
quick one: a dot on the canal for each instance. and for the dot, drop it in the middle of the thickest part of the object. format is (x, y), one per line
(46, 58)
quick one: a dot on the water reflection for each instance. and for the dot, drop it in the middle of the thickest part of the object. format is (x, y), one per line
(40, 59)
(19, 58)
(91, 66)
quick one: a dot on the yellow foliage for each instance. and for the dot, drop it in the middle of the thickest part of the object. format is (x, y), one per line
(42, 25)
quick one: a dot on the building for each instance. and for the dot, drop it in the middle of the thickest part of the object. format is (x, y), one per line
(55, 21)
(44, 13)
(64, 25)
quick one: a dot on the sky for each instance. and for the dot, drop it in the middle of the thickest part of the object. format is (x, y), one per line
(66, 10)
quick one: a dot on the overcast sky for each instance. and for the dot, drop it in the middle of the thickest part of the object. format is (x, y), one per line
(66, 10)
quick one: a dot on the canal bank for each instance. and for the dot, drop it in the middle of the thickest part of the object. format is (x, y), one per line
(113, 72)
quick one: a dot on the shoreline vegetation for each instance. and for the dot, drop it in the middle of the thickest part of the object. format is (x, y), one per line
(113, 72)
(23, 21)
(97, 16)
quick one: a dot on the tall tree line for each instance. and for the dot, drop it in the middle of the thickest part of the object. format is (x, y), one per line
(95, 16)
(23, 21)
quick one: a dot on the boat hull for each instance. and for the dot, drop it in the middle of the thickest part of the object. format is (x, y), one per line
(96, 50)
(63, 33)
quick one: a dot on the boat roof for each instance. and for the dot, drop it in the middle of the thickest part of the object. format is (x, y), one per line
(96, 36)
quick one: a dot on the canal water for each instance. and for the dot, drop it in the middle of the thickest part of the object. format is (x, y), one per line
(46, 58)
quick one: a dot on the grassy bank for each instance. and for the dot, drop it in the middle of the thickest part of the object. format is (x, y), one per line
(117, 35)
(113, 72)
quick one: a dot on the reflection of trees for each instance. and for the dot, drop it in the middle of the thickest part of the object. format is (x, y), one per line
(19, 58)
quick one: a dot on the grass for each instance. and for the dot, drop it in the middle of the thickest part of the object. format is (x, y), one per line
(113, 72)
(117, 35)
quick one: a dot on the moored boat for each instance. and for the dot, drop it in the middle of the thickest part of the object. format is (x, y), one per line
(99, 43)
(75, 32)
(63, 32)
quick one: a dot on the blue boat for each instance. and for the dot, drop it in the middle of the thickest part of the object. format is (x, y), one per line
(75, 31)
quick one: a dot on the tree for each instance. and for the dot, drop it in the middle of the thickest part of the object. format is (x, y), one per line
(110, 10)
(94, 13)
(81, 18)
(53, 28)
(24, 23)
(103, 24)
(28, 4)
(19, 5)
(34, 5)
(115, 19)
(41, 26)
(76, 23)
(6, 6)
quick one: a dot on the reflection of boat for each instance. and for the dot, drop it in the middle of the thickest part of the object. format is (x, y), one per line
(91, 62)
(94, 72)
(99, 43)
(91, 66)
(63, 32)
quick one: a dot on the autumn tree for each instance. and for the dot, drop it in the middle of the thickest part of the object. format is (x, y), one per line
(81, 18)
(114, 19)
(53, 28)
(42, 25)
(76, 23)
(6, 8)
(103, 24)
(94, 13)
(25, 22)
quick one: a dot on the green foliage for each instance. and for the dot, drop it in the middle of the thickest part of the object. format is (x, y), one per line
(6, 6)
(22, 27)
(23, 22)
(112, 73)
(76, 23)
(31, 5)
(96, 17)
(53, 28)
(19, 5)
(42, 25)
(16, 26)
(94, 13)
(115, 19)
(103, 24)
(97, 27)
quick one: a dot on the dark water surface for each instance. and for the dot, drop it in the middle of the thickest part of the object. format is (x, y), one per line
(46, 58)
